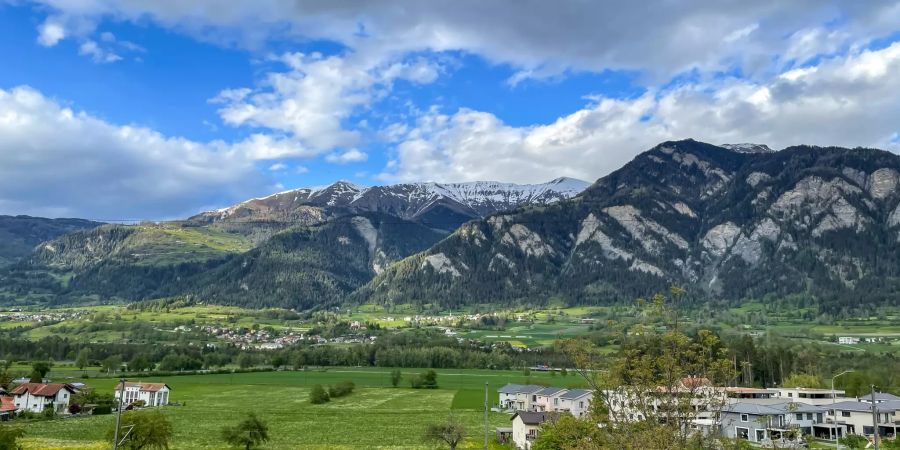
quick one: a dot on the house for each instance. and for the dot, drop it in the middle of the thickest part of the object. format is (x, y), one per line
(548, 399)
(764, 424)
(749, 393)
(856, 417)
(152, 394)
(7, 407)
(809, 396)
(518, 397)
(848, 340)
(36, 397)
(526, 426)
(575, 401)
(880, 397)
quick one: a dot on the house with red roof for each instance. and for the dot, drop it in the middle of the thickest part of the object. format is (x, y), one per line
(152, 394)
(36, 397)
(7, 407)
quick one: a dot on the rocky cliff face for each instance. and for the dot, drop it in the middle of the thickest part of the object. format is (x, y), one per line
(726, 222)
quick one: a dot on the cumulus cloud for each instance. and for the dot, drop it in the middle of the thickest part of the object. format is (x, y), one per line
(349, 156)
(55, 161)
(50, 33)
(97, 54)
(850, 101)
(313, 98)
(539, 37)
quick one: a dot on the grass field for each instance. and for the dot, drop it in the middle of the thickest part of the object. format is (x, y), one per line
(374, 416)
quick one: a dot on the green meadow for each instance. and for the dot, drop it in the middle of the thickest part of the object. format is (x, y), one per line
(375, 415)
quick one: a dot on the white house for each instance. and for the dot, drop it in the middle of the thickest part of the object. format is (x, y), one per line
(849, 340)
(526, 426)
(548, 399)
(153, 394)
(519, 397)
(575, 401)
(36, 397)
(809, 396)
(857, 417)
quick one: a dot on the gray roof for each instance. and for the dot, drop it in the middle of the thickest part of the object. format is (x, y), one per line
(572, 394)
(751, 408)
(519, 389)
(852, 405)
(550, 391)
(879, 397)
(797, 407)
(535, 418)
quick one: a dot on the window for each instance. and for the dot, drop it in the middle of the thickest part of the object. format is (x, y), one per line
(534, 398)
(808, 416)
(799, 416)
(760, 435)
(742, 433)
(819, 417)
(745, 417)
(845, 413)
(581, 404)
(790, 394)
(555, 401)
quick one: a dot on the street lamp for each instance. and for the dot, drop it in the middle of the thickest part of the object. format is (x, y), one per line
(833, 412)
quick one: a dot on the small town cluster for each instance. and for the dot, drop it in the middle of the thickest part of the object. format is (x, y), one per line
(771, 418)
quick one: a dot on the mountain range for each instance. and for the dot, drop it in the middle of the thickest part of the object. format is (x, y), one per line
(729, 223)
(300, 248)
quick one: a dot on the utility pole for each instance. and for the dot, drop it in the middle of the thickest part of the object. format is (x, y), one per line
(874, 420)
(119, 414)
(833, 412)
(485, 415)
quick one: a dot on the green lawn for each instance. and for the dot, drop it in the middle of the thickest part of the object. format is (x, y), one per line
(374, 416)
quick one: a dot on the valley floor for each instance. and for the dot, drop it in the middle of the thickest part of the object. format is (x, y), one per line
(374, 416)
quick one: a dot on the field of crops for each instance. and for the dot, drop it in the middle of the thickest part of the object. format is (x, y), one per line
(374, 416)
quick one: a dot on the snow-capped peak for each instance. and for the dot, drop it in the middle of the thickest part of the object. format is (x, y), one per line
(747, 147)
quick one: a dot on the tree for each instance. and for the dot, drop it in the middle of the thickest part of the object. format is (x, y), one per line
(318, 395)
(450, 432)
(245, 360)
(139, 363)
(9, 437)
(148, 430)
(647, 396)
(250, 432)
(796, 380)
(40, 369)
(396, 376)
(82, 360)
(112, 363)
(567, 432)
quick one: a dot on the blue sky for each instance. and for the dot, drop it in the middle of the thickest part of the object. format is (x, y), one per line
(151, 110)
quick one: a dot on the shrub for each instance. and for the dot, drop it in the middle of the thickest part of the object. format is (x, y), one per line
(341, 389)
(100, 410)
(854, 441)
(318, 395)
(48, 413)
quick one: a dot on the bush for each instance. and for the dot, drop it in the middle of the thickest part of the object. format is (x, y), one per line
(318, 395)
(48, 413)
(425, 380)
(854, 441)
(100, 410)
(341, 389)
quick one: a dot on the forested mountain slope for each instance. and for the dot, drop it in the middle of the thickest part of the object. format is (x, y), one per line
(728, 223)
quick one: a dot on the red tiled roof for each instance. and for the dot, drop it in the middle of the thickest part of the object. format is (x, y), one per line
(146, 387)
(41, 389)
(7, 404)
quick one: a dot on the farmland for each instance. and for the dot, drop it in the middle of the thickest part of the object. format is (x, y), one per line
(376, 415)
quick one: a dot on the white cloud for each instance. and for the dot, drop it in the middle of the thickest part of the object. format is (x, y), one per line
(349, 156)
(301, 169)
(279, 166)
(316, 95)
(849, 101)
(662, 38)
(97, 54)
(55, 161)
(50, 33)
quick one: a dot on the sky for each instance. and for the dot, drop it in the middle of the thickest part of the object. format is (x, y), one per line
(159, 109)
